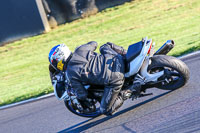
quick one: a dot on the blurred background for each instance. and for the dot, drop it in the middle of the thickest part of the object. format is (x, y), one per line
(27, 18)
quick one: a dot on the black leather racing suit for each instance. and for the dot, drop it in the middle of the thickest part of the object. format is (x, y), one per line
(107, 68)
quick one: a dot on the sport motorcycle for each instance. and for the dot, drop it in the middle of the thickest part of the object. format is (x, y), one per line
(156, 69)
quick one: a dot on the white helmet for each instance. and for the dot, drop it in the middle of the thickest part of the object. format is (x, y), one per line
(59, 55)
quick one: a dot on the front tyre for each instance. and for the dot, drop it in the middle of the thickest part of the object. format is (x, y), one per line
(75, 111)
(176, 72)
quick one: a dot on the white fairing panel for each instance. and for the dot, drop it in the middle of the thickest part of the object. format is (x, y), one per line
(136, 64)
(147, 76)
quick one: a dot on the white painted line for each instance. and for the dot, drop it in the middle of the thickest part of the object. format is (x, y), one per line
(51, 94)
(189, 55)
(26, 101)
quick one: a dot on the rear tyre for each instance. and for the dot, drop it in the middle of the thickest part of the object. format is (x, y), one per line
(176, 72)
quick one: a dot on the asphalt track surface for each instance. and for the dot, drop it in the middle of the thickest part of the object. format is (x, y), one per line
(164, 112)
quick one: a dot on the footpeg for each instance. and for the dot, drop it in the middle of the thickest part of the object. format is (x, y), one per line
(143, 95)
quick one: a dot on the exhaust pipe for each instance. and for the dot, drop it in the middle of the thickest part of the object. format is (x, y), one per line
(166, 47)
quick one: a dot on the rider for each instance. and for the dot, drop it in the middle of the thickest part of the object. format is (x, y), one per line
(85, 66)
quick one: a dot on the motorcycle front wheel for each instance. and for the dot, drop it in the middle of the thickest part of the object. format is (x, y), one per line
(176, 72)
(73, 109)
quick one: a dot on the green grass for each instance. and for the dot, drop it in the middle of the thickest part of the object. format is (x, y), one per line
(24, 64)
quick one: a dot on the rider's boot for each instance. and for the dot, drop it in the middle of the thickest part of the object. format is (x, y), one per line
(127, 93)
(133, 89)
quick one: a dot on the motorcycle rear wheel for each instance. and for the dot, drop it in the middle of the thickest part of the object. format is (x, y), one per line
(176, 72)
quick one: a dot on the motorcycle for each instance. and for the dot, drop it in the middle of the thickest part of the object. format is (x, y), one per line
(156, 69)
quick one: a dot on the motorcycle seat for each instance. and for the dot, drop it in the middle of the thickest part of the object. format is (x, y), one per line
(133, 51)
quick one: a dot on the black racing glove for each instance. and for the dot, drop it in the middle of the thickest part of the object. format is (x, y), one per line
(118, 49)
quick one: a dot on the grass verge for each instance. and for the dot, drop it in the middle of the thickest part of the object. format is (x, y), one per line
(24, 64)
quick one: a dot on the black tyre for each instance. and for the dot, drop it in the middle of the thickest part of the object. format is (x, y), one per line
(72, 109)
(176, 72)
